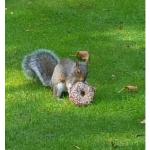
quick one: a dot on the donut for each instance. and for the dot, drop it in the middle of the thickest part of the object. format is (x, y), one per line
(81, 94)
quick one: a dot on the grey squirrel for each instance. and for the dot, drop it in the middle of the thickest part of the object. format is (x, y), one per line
(58, 74)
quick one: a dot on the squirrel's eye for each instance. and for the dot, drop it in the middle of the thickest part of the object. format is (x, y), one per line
(78, 71)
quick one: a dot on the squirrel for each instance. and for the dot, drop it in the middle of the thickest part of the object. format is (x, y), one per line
(58, 74)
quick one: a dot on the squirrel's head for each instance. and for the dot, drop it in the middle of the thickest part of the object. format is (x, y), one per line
(80, 71)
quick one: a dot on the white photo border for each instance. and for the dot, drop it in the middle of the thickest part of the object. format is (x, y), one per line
(2, 75)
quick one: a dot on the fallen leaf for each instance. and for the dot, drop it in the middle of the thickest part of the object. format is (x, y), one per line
(131, 88)
(83, 55)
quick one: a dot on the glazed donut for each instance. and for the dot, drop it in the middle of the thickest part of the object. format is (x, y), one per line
(81, 94)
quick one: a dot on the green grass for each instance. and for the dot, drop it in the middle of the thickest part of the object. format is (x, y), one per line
(113, 32)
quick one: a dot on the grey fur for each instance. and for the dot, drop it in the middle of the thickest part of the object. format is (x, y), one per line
(60, 75)
(66, 72)
(41, 64)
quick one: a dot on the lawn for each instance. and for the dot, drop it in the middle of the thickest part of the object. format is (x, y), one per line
(113, 31)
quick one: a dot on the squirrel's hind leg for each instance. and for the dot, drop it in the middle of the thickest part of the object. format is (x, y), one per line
(58, 89)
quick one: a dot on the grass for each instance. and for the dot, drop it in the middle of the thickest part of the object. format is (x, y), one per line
(113, 32)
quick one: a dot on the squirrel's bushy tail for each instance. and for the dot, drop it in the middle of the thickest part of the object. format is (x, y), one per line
(30, 74)
(40, 64)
